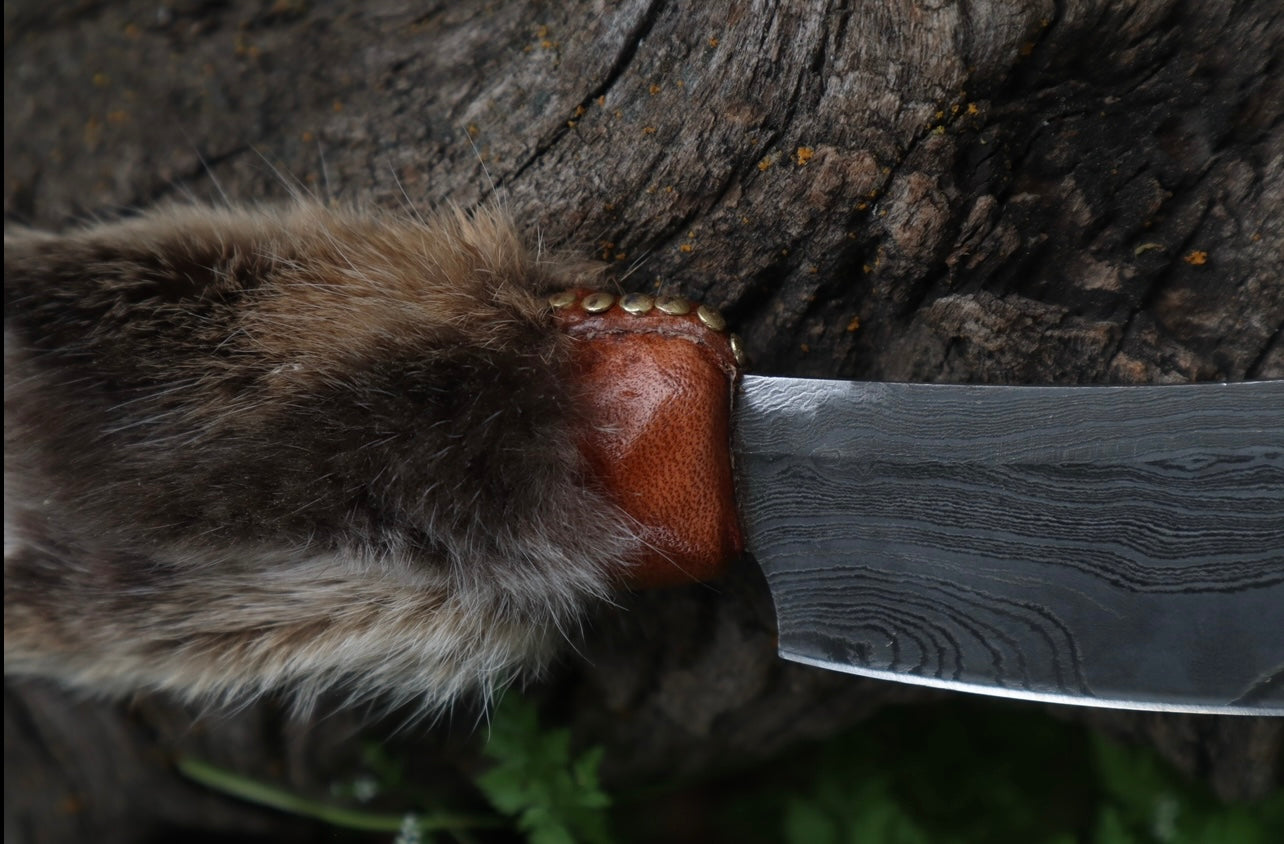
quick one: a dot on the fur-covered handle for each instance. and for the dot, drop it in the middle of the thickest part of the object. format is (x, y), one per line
(298, 450)
(310, 450)
(655, 379)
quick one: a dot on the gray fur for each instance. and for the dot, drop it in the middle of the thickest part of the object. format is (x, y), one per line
(257, 451)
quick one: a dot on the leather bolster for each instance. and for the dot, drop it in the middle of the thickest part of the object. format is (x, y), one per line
(655, 379)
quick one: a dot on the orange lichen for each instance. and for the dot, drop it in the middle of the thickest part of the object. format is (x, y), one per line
(804, 154)
(854, 325)
(713, 42)
(686, 247)
(648, 130)
(1196, 258)
(765, 163)
(654, 89)
(972, 110)
(93, 132)
(244, 48)
(579, 111)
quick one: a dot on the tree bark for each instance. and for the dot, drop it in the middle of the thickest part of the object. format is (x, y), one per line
(998, 192)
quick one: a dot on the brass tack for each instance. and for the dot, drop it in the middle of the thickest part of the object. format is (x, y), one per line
(563, 299)
(637, 303)
(737, 349)
(595, 303)
(674, 305)
(711, 318)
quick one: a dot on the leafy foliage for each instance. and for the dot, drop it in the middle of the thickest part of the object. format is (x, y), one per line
(956, 774)
(838, 812)
(1145, 802)
(970, 774)
(555, 799)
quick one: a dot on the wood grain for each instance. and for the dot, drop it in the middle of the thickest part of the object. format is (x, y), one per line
(1005, 192)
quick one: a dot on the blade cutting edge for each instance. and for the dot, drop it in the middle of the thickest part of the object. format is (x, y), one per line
(1104, 546)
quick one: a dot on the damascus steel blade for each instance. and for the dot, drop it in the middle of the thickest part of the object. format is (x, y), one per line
(1107, 546)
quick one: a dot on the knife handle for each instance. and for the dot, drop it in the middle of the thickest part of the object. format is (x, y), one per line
(655, 379)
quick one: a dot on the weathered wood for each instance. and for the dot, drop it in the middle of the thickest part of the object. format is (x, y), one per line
(983, 192)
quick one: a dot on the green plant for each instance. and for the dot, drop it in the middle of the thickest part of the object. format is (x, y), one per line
(555, 798)
(956, 774)
(975, 774)
(536, 787)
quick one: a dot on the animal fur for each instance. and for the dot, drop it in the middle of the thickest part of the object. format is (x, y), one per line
(264, 451)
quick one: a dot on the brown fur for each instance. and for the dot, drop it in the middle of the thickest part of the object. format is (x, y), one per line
(251, 451)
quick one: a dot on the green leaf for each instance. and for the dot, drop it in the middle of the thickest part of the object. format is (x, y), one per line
(1111, 829)
(876, 816)
(555, 799)
(505, 788)
(1230, 824)
(551, 833)
(806, 823)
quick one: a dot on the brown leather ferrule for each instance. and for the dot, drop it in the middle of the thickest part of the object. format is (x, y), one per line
(656, 379)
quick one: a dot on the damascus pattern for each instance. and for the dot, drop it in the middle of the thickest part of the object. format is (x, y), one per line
(1107, 546)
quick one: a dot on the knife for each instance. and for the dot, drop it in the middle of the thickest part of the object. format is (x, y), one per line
(1116, 546)
(1106, 546)
(377, 461)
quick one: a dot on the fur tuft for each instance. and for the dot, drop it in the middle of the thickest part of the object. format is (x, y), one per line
(253, 451)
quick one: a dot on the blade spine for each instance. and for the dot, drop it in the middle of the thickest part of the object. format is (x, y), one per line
(759, 407)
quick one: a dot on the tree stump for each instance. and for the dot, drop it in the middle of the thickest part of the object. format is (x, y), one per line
(1061, 193)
